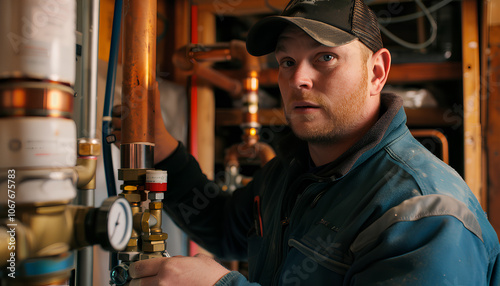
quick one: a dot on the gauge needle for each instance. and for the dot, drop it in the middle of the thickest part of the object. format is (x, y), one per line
(116, 224)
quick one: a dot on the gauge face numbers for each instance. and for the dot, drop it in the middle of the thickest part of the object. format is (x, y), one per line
(119, 223)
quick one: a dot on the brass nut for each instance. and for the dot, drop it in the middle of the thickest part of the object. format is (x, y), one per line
(131, 197)
(155, 237)
(132, 243)
(89, 149)
(155, 205)
(128, 256)
(156, 196)
(145, 256)
(132, 174)
(153, 246)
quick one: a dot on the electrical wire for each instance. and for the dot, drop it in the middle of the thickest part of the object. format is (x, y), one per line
(415, 15)
(274, 9)
(109, 97)
(409, 45)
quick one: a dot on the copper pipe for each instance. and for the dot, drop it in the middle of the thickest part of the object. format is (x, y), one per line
(438, 136)
(251, 99)
(189, 57)
(182, 58)
(139, 70)
(186, 56)
(258, 150)
(214, 53)
(228, 84)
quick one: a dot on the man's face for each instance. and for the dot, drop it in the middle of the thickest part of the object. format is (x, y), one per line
(324, 89)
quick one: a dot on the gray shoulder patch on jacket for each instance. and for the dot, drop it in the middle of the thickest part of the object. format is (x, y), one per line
(414, 209)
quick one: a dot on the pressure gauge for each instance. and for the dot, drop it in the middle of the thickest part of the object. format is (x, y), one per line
(113, 224)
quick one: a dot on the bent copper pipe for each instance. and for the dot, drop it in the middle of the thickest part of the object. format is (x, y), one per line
(189, 57)
(438, 136)
(185, 57)
(258, 150)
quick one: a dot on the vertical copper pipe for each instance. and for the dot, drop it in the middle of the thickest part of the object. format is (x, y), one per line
(139, 71)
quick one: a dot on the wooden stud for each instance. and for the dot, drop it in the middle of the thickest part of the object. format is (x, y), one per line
(471, 98)
(206, 101)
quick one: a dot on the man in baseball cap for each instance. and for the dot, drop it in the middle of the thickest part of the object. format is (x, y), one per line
(351, 198)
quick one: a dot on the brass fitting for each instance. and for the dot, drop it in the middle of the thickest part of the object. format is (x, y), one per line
(134, 199)
(154, 237)
(22, 242)
(149, 255)
(153, 246)
(86, 167)
(129, 256)
(156, 213)
(45, 230)
(89, 147)
(131, 197)
(155, 205)
(131, 194)
(132, 243)
(132, 175)
(142, 221)
(86, 163)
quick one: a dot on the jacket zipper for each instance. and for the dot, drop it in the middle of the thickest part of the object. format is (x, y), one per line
(284, 223)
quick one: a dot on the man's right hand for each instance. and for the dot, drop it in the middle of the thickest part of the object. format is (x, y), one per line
(199, 270)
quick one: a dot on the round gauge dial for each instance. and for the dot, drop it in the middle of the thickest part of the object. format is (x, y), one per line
(116, 215)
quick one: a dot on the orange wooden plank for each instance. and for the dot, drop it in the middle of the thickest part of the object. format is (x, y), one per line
(471, 98)
(493, 127)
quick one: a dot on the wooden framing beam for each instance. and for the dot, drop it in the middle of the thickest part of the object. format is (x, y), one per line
(471, 99)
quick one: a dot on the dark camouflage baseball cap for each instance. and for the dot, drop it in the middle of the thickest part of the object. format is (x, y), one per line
(330, 22)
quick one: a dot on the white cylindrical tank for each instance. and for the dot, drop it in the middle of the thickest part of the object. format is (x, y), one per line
(32, 142)
(38, 40)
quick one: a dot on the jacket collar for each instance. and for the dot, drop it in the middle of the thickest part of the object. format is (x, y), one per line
(387, 128)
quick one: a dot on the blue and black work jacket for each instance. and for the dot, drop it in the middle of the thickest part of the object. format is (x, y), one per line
(387, 212)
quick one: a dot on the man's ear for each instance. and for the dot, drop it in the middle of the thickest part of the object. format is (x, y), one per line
(381, 64)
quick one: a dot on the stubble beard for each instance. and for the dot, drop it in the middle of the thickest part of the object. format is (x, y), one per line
(341, 118)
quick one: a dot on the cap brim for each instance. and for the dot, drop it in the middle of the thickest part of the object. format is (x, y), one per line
(263, 36)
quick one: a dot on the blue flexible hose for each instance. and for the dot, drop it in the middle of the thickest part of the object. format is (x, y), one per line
(109, 97)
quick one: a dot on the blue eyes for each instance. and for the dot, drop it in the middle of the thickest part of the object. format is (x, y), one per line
(325, 58)
(286, 63)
